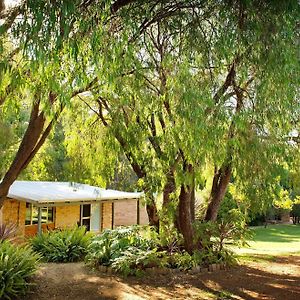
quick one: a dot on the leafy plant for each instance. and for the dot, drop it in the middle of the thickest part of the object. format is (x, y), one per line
(17, 265)
(215, 237)
(8, 231)
(134, 260)
(182, 260)
(127, 249)
(66, 245)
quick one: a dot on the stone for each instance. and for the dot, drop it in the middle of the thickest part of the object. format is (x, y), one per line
(195, 270)
(204, 270)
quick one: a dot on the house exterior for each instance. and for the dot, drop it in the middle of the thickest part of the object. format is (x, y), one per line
(38, 205)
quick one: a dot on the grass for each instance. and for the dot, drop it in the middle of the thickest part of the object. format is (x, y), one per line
(273, 240)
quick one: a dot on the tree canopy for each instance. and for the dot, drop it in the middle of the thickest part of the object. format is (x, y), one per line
(189, 91)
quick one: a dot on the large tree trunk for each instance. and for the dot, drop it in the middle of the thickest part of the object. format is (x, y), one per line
(218, 190)
(185, 217)
(152, 212)
(33, 139)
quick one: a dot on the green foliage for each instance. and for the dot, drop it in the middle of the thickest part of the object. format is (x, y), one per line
(183, 260)
(134, 260)
(126, 249)
(67, 245)
(216, 237)
(17, 265)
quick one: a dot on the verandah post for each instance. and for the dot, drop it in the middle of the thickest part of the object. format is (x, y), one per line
(39, 220)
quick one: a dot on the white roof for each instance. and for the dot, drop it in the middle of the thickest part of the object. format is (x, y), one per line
(47, 193)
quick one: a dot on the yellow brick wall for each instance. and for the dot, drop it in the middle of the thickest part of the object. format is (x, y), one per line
(67, 216)
(106, 213)
(125, 213)
(14, 211)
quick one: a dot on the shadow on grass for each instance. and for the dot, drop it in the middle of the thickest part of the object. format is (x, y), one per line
(277, 234)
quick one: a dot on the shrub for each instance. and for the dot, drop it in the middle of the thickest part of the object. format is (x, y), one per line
(216, 236)
(17, 264)
(134, 260)
(8, 231)
(68, 245)
(127, 249)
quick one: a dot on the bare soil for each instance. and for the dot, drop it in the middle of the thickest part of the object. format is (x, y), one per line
(260, 279)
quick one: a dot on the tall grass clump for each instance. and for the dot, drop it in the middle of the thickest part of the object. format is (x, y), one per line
(8, 231)
(67, 245)
(17, 265)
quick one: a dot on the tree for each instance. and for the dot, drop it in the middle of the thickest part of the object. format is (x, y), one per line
(230, 81)
(188, 85)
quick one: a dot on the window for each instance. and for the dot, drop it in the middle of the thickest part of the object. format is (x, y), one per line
(85, 215)
(32, 214)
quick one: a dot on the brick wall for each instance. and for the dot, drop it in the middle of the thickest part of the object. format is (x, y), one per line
(14, 211)
(67, 216)
(106, 213)
(125, 213)
(32, 230)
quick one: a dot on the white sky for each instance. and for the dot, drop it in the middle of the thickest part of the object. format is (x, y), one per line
(10, 3)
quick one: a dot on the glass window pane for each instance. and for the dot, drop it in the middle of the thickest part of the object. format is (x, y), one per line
(44, 215)
(50, 214)
(28, 214)
(86, 223)
(34, 215)
(86, 210)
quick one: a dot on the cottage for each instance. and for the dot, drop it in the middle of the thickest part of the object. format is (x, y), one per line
(38, 205)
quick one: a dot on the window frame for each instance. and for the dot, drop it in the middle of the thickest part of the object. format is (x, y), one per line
(85, 218)
(31, 207)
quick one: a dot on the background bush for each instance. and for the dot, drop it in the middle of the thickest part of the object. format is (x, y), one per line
(17, 264)
(68, 245)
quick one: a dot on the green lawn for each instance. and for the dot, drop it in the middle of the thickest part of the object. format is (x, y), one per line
(273, 240)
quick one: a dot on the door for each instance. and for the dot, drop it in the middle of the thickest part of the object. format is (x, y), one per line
(95, 217)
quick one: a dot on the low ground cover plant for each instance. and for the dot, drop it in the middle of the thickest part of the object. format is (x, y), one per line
(130, 250)
(127, 250)
(67, 245)
(17, 265)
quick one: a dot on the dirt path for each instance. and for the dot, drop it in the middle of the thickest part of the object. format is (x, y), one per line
(261, 280)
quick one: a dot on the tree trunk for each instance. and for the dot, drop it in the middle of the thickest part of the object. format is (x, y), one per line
(218, 190)
(152, 212)
(31, 142)
(185, 217)
(169, 188)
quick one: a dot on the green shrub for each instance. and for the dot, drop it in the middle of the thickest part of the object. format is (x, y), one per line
(8, 231)
(134, 260)
(215, 237)
(181, 260)
(17, 264)
(68, 245)
(126, 249)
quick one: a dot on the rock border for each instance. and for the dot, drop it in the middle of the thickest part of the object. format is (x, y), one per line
(165, 271)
